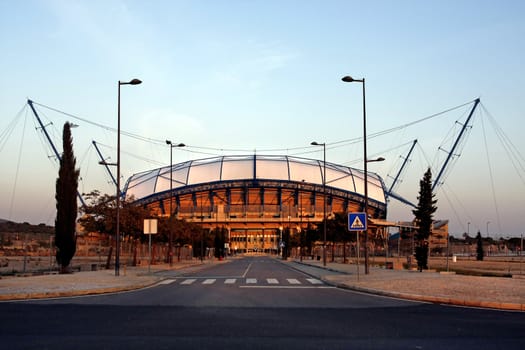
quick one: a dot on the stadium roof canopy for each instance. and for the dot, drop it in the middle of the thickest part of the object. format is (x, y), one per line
(154, 182)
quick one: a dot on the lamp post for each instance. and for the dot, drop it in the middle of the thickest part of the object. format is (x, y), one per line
(170, 247)
(117, 253)
(349, 79)
(314, 143)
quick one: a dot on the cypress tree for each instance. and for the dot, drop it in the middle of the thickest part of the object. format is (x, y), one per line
(66, 202)
(424, 218)
(479, 247)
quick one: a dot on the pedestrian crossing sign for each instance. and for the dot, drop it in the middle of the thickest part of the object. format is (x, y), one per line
(356, 221)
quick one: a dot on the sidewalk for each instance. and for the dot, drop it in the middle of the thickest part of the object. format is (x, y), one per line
(487, 292)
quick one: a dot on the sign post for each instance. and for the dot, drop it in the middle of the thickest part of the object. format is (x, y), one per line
(150, 228)
(357, 222)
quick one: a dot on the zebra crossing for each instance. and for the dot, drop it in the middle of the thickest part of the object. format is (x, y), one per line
(244, 281)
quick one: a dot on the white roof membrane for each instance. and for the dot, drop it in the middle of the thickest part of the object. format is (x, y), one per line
(251, 167)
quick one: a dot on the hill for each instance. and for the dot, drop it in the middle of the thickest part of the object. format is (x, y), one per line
(7, 226)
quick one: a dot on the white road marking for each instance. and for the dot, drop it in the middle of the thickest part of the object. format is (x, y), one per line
(188, 281)
(314, 281)
(290, 287)
(166, 282)
(246, 271)
(251, 282)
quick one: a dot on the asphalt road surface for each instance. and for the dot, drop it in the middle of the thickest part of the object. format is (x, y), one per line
(254, 303)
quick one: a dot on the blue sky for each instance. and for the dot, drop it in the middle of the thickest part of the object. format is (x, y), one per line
(265, 77)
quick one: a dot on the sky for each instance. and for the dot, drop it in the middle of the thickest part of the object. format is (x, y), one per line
(244, 77)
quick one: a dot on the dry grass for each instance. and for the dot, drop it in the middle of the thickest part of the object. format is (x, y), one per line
(499, 266)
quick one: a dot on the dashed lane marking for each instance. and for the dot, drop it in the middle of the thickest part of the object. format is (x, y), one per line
(272, 281)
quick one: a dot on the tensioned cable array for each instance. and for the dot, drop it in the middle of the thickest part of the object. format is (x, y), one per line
(216, 151)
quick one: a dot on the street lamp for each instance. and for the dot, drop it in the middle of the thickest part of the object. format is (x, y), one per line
(117, 253)
(314, 143)
(349, 79)
(170, 254)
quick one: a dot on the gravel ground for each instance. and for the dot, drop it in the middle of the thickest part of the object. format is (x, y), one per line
(448, 288)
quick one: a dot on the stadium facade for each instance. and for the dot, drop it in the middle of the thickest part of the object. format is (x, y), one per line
(256, 197)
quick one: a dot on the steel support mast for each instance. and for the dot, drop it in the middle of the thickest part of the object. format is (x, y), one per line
(30, 103)
(456, 143)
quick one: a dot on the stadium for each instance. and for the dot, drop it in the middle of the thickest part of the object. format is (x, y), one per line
(256, 196)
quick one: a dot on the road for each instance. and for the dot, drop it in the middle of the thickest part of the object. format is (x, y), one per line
(256, 303)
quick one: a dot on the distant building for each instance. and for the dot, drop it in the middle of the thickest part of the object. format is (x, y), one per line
(438, 238)
(403, 241)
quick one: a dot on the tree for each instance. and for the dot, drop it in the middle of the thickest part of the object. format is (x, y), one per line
(219, 241)
(479, 247)
(66, 202)
(202, 240)
(423, 218)
(337, 229)
(99, 215)
(311, 236)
